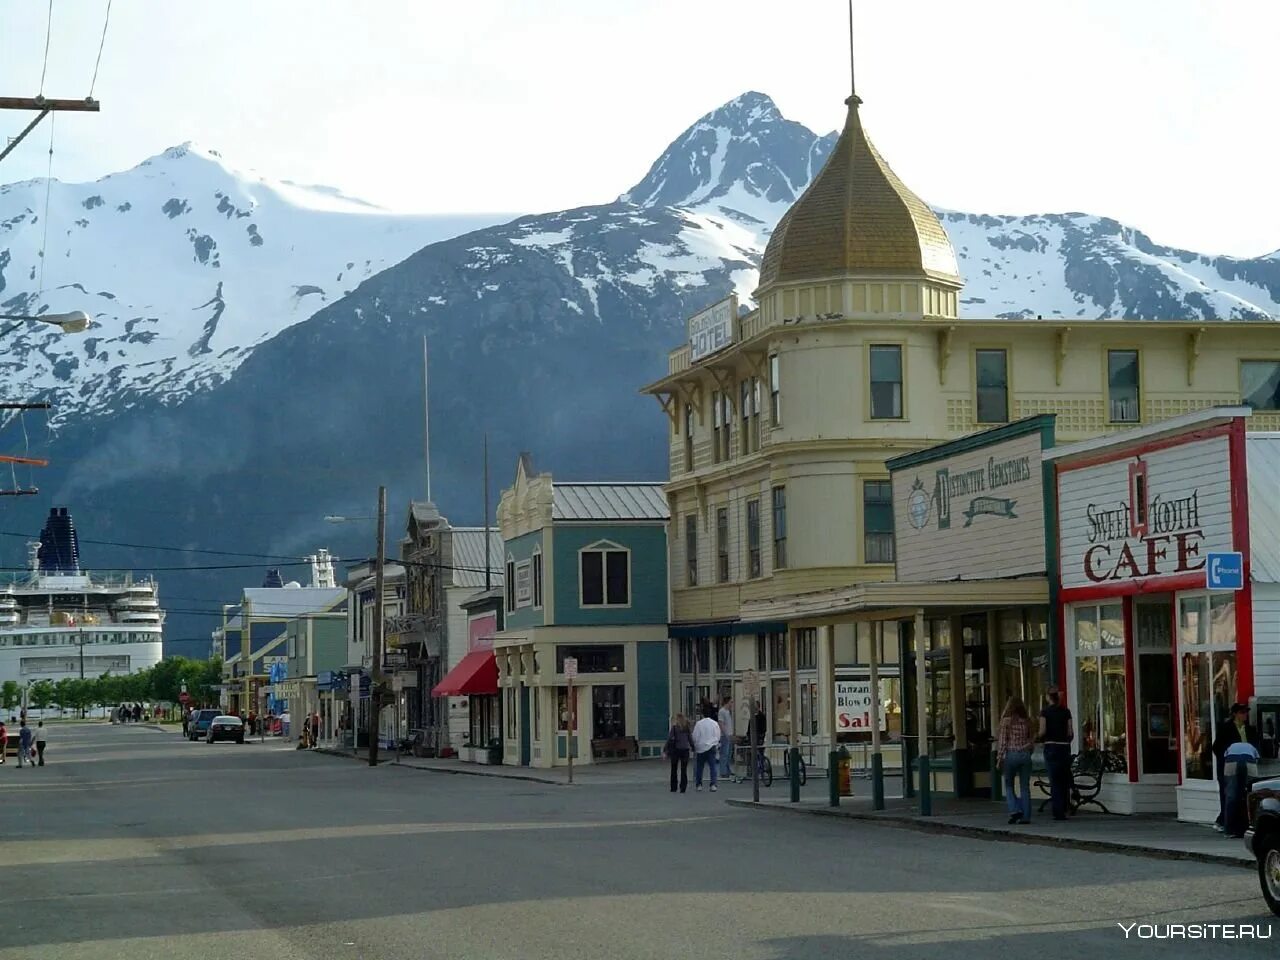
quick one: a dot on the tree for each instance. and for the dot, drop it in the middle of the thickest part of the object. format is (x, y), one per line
(10, 694)
(62, 694)
(41, 694)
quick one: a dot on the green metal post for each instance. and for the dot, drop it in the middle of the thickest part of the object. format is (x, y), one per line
(908, 773)
(926, 788)
(877, 781)
(833, 778)
(793, 764)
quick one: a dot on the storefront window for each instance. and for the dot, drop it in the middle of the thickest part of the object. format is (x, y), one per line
(1098, 646)
(608, 713)
(1206, 638)
(781, 719)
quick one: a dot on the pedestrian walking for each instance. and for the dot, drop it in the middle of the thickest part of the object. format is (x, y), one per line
(1014, 744)
(24, 744)
(4, 741)
(678, 747)
(186, 720)
(1057, 733)
(706, 741)
(315, 730)
(1235, 729)
(725, 719)
(42, 737)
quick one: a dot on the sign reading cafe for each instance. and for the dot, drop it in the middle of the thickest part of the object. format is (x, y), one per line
(711, 330)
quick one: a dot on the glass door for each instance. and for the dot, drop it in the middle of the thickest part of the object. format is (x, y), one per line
(1156, 686)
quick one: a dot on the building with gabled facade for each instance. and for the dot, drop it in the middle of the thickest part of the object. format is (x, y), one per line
(585, 580)
(782, 418)
(445, 566)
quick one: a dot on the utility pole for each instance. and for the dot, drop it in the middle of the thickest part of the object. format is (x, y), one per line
(488, 540)
(43, 108)
(375, 667)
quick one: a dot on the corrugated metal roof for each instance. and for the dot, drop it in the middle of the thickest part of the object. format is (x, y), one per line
(1263, 452)
(609, 501)
(283, 603)
(468, 556)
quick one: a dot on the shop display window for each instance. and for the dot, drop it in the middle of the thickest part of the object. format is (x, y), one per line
(1207, 661)
(1098, 648)
(780, 722)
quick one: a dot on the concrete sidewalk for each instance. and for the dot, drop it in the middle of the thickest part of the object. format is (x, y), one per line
(1148, 836)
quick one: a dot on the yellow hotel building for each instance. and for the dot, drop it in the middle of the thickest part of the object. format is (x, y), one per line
(782, 418)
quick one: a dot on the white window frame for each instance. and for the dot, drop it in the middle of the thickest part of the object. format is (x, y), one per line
(1210, 648)
(1073, 674)
(605, 547)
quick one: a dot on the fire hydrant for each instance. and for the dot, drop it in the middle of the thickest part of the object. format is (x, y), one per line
(843, 773)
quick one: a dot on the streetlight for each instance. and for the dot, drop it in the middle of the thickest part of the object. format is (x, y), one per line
(77, 321)
(334, 518)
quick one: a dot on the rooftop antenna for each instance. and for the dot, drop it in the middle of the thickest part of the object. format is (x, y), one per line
(853, 87)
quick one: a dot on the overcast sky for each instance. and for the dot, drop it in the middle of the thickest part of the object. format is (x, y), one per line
(1159, 113)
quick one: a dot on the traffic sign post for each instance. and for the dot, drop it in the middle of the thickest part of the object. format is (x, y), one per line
(1224, 571)
(571, 671)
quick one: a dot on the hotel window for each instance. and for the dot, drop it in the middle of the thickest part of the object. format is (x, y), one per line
(753, 538)
(511, 584)
(807, 648)
(1260, 384)
(886, 382)
(775, 392)
(992, 368)
(744, 410)
(779, 528)
(724, 654)
(1122, 386)
(1098, 645)
(722, 421)
(722, 544)
(604, 577)
(755, 413)
(877, 521)
(537, 578)
(688, 437)
(686, 656)
(691, 549)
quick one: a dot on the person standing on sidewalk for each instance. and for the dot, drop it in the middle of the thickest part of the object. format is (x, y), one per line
(4, 741)
(725, 719)
(679, 746)
(706, 740)
(1014, 744)
(1057, 733)
(24, 744)
(1235, 729)
(41, 740)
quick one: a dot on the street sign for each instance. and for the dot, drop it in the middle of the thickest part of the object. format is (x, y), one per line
(183, 697)
(570, 667)
(1224, 571)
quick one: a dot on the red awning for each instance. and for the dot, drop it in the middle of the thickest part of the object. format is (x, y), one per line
(476, 673)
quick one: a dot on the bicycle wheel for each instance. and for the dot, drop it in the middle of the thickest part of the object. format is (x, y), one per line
(804, 772)
(766, 771)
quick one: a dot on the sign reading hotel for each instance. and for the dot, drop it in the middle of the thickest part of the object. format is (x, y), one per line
(711, 330)
(974, 515)
(1144, 517)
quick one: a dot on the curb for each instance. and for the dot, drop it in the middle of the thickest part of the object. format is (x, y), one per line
(461, 772)
(995, 835)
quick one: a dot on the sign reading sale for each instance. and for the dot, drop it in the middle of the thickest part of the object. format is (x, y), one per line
(853, 705)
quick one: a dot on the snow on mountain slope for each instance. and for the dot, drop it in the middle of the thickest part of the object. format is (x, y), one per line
(186, 265)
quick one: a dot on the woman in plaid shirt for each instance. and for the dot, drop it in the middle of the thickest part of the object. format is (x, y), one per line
(1014, 743)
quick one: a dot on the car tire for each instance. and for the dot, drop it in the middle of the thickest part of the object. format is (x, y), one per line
(239, 739)
(1269, 871)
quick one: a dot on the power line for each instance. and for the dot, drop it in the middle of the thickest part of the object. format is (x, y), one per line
(48, 34)
(48, 189)
(102, 43)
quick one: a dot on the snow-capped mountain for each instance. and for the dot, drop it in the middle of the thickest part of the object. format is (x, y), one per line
(186, 264)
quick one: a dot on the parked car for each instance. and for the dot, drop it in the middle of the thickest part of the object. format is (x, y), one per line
(1263, 838)
(199, 725)
(225, 728)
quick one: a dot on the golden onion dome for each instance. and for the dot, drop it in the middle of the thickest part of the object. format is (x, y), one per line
(857, 218)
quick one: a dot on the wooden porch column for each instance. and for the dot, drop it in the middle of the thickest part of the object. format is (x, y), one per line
(922, 714)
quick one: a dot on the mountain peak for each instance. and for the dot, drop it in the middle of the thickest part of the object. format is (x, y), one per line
(744, 160)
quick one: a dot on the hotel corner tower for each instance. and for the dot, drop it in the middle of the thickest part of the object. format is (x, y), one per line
(782, 419)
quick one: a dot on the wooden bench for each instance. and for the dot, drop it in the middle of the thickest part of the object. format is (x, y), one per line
(1087, 768)
(615, 748)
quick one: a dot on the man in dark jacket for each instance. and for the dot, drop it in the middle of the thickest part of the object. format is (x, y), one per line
(1235, 729)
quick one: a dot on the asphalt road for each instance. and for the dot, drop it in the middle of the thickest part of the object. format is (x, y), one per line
(134, 844)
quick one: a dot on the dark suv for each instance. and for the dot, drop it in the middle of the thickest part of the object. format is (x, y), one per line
(199, 725)
(1263, 837)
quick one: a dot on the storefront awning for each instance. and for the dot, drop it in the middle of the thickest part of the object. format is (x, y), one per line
(475, 675)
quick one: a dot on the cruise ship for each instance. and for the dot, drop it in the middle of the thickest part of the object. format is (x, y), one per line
(59, 621)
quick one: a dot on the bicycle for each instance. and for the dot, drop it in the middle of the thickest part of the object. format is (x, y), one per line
(762, 764)
(786, 767)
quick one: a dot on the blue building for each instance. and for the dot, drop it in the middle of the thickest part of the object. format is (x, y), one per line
(586, 581)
